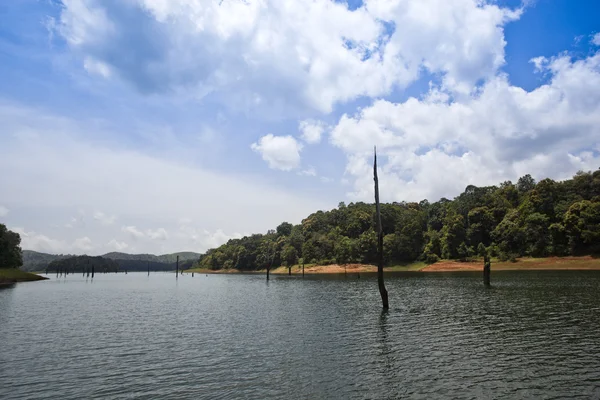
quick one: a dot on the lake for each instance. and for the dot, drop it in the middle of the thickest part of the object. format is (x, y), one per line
(532, 335)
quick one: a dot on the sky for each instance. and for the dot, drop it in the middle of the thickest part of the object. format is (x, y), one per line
(154, 126)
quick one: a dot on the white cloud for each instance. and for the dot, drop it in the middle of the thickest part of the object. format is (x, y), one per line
(310, 171)
(280, 152)
(312, 131)
(434, 147)
(31, 240)
(104, 219)
(596, 39)
(117, 246)
(56, 155)
(3, 211)
(83, 244)
(96, 67)
(255, 53)
(132, 231)
(157, 234)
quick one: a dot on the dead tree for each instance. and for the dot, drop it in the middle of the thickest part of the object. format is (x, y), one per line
(382, 290)
(487, 266)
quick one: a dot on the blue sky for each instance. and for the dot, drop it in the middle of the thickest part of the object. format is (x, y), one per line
(155, 126)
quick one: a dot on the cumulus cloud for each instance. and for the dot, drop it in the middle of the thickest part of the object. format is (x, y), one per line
(157, 234)
(3, 211)
(83, 244)
(596, 39)
(310, 171)
(132, 231)
(56, 155)
(117, 246)
(104, 219)
(256, 52)
(311, 131)
(434, 147)
(32, 240)
(280, 152)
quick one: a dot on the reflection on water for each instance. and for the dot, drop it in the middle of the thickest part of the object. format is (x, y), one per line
(532, 335)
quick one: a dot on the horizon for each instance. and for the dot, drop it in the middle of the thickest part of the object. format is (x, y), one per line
(158, 128)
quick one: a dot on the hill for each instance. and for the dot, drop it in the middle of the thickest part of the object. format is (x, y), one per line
(83, 263)
(507, 221)
(36, 261)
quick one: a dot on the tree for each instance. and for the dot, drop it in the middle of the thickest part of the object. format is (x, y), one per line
(284, 229)
(525, 184)
(582, 223)
(345, 250)
(381, 284)
(11, 255)
(289, 255)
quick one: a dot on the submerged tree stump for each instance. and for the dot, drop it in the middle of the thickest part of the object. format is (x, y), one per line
(486, 269)
(382, 290)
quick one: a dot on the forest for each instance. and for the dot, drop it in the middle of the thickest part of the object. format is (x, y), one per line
(83, 264)
(529, 218)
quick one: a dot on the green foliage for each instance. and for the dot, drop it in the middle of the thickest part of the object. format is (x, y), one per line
(10, 248)
(82, 263)
(506, 221)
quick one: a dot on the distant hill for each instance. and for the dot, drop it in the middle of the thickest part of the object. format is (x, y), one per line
(82, 264)
(36, 261)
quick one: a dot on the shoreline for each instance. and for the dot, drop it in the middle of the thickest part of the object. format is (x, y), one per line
(584, 263)
(10, 276)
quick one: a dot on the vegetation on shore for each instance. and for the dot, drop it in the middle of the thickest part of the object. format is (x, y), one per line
(475, 264)
(11, 275)
(83, 264)
(507, 221)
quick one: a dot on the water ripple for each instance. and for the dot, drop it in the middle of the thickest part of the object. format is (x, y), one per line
(221, 337)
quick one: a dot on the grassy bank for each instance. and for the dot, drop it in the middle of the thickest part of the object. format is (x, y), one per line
(11, 275)
(548, 263)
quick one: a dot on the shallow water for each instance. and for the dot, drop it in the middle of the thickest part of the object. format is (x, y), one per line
(532, 335)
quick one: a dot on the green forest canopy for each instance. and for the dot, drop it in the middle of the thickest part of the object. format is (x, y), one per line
(10, 248)
(508, 221)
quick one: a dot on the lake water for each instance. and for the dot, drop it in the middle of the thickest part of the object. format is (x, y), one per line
(533, 335)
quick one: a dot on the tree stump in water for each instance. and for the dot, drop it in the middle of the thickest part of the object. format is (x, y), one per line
(487, 266)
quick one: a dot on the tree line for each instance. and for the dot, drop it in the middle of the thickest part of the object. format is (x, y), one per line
(529, 218)
(11, 255)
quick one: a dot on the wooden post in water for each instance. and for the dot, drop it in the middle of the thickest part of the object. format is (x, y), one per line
(290, 271)
(88, 268)
(487, 266)
(192, 274)
(177, 268)
(303, 268)
(148, 268)
(92, 271)
(382, 290)
(268, 270)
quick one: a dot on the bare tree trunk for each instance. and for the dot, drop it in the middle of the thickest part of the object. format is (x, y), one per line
(382, 290)
(290, 271)
(177, 268)
(486, 270)
(303, 269)
(148, 268)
